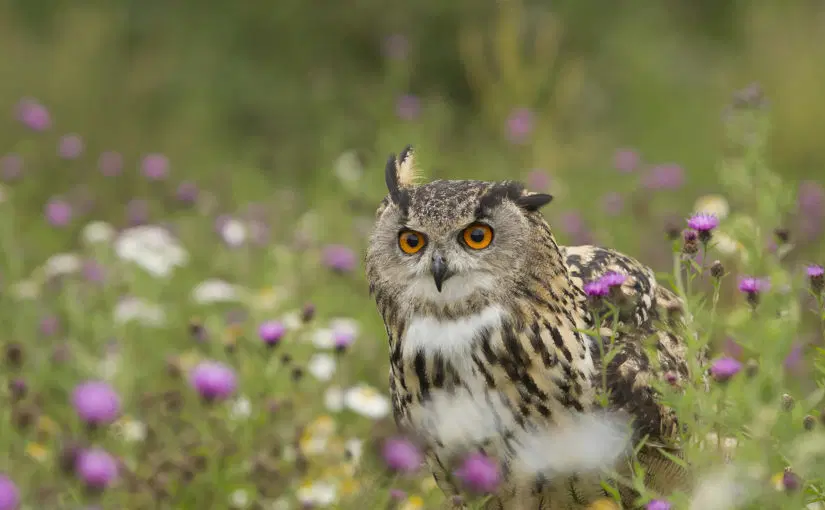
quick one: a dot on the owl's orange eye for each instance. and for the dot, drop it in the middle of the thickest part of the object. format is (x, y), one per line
(411, 241)
(478, 236)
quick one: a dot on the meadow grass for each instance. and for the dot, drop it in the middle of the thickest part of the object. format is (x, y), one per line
(120, 269)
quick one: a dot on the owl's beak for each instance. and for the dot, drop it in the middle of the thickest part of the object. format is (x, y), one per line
(439, 270)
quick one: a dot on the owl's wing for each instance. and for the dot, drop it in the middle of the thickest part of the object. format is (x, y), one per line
(648, 346)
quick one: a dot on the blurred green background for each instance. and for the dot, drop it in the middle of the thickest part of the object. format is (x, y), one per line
(253, 97)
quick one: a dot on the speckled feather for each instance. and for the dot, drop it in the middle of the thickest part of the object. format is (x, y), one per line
(521, 348)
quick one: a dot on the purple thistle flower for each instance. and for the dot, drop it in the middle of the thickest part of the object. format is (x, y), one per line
(33, 115)
(724, 368)
(70, 146)
(665, 177)
(596, 289)
(110, 163)
(519, 125)
(397, 494)
(626, 160)
(49, 325)
(187, 192)
(9, 494)
(97, 468)
(402, 455)
(58, 212)
(155, 166)
(137, 211)
(538, 180)
(790, 480)
(479, 473)
(613, 279)
(703, 222)
(93, 271)
(815, 271)
(11, 167)
(408, 107)
(339, 258)
(572, 223)
(96, 402)
(342, 338)
(658, 504)
(213, 380)
(753, 285)
(271, 332)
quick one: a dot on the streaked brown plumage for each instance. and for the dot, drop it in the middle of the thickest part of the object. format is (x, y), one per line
(507, 333)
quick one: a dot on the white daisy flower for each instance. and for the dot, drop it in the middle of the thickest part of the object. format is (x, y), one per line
(152, 248)
(279, 504)
(292, 320)
(334, 399)
(322, 338)
(317, 493)
(241, 409)
(26, 290)
(132, 431)
(215, 291)
(321, 366)
(136, 309)
(234, 232)
(366, 401)
(62, 264)
(109, 367)
(239, 499)
(98, 232)
(355, 449)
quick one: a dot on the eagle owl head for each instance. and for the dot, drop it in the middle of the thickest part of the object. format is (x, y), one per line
(444, 241)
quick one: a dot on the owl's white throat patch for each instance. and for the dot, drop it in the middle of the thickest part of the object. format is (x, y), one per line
(457, 288)
(450, 338)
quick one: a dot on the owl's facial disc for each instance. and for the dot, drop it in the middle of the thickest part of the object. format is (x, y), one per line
(438, 268)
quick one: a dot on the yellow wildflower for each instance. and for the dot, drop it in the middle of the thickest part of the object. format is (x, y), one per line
(37, 451)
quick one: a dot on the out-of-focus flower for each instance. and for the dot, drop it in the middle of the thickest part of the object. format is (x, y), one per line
(110, 163)
(613, 203)
(58, 212)
(613, 279)
(96, 402)
(408, 107)
(70, 146)
(339, 258)
(520, 125)
(98, 232)
(155, 166)
(131, 430)
(334, 399)
(538, 180)
(316, 436)
(11, 167)
(816, 277)
(97, 468)
(215, 291)
(271, 332)
(366, 401)
(138, 310)
(402, 455)
(317, 494)
(33, 115)
(233, 231)
(724, 368)
(664, 177)
(715, 205)
(213, 380)
(348, 169)
(596, 289)
(241, 409)
(239, 498)
(479, 473)
(187, 192)
(658, 504)
(9, 494)
(152, 248)
(626, 160)
(62, 264)
(321, 366)
(137, 211)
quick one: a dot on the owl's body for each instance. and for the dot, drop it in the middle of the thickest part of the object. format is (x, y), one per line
(493, 343)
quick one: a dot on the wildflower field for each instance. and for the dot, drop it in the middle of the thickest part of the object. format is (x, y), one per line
(186, 194)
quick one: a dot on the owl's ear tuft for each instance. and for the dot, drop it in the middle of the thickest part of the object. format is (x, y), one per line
(533, 201)
(391, 177)
(407, 170)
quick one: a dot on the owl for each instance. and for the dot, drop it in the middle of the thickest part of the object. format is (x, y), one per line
(493, 341)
